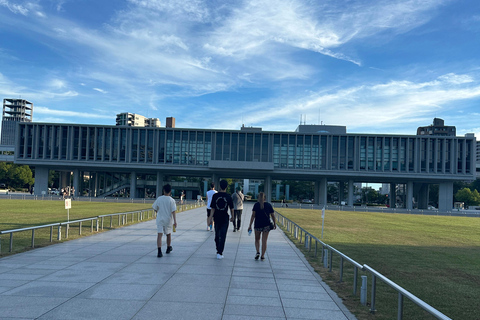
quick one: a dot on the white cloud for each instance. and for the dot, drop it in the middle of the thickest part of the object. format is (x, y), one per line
(100, 90)
(62, 114)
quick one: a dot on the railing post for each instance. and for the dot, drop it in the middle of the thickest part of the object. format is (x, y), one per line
(80, 228)
(325, 258)
(51, 233)
(374, 290)
(59, 236)
(33, 238)
(341, 269)
(400, 306)
(91, 226)
(66, 230)
(363, 291)
(355, 280)
(96, 224)
(331, 260)
(0, 245)
(11, 241)
(316, 244)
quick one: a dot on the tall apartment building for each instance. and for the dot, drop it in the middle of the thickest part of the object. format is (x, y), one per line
(136, 120)
(438, 128)
(14, 111)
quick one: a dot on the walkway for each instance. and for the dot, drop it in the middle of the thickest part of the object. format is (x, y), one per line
(116, 275)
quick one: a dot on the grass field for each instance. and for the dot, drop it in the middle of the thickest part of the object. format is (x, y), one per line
(437, 258)
(17, 214)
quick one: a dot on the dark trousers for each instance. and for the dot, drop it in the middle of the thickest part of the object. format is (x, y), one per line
(237, 219)
(220, 235)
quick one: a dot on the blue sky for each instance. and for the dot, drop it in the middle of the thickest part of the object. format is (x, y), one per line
(375, 66)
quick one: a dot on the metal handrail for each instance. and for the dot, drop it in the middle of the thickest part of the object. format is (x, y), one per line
(375, 274)
(67, 224)
(401, 293)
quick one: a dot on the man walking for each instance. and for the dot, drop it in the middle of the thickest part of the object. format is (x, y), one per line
(210, 194)
(221, 202)
(238, 198)
(165, 208)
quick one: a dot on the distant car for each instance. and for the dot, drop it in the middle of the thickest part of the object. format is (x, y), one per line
(431, 208)
(307, 201)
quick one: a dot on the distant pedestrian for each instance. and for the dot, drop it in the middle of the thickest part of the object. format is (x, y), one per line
(165, 208)
(221, 202)
(73, 193)
(238, 198)
(261, 213)
(210, 194)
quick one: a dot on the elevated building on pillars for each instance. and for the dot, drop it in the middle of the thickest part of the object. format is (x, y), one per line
(138, 158)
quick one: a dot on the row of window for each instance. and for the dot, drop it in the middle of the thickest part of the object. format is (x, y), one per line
(285, 150)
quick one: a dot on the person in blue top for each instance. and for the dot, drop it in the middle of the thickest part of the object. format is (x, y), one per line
(261, 213)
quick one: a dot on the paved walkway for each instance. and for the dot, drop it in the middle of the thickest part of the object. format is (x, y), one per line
(116, 275)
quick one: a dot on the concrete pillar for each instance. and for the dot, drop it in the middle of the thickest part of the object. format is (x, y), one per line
(206, 187)
(323, 192)
(133, 184)
(256, 190)
(287, 192)
(76, 182)
(423, 196)
(268, 188)
(41, 181)
(445, 196)
(341, 193)
(158, 189)
(351, 191)
(316, 192)
(393, 195)
(277, 192)
(409, 195)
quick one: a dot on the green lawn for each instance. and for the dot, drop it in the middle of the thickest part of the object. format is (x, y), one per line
(17, 214)
(436, 258)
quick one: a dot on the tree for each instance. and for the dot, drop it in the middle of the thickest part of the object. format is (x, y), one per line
(468, 197)
(16, 176)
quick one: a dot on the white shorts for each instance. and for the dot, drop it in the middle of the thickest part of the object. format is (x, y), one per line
(164, 229)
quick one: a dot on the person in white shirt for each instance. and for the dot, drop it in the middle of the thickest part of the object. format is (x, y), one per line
(165, 208)
(210, 194)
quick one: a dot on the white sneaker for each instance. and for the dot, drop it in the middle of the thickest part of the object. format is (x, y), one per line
(208, 228)
(219, 256)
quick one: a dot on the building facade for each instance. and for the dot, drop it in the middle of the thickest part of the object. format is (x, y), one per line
(438, 128)
(14, 111)
(136, 120)
(133, 152)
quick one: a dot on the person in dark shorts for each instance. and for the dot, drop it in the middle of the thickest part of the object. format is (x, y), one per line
(261, 213)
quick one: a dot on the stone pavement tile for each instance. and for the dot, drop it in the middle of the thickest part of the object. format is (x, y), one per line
(98, 309)
(253, 311)
(49, 289)
(295, 313)
(161, 267)
(189, 294)
(300, 288)
(215, 269)
(254, 301)
(253, 285)
(51, 264)
(297, 282)
(107, 257)
(178, 310)
(252, 273)
(120, 291)
(18, 276)
(138, 278)
(251, 280)
(207, 280)
(93, 266)
(308, 296)
(309, 304)
(27, 307)
(240, 317)
(76, 275)
(253, 293)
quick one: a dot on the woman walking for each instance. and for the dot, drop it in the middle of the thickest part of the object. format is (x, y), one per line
(261, 213)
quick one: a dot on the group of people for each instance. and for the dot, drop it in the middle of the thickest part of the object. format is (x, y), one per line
(219, 205)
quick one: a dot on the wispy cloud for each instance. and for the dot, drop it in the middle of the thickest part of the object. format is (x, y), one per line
(50, 113)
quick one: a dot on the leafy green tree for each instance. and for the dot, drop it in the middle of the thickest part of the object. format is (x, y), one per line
(16, 176)
(468, 197)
